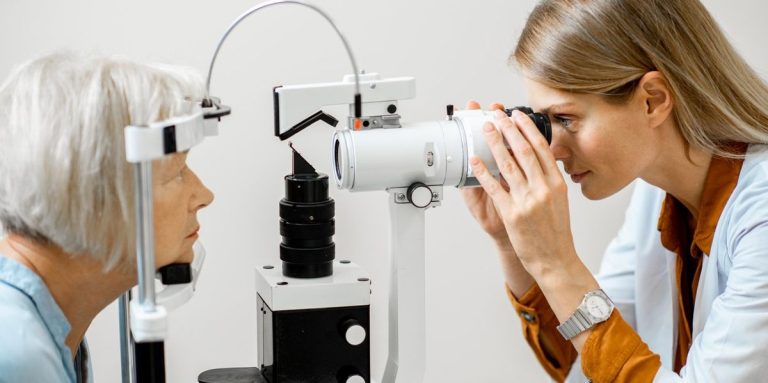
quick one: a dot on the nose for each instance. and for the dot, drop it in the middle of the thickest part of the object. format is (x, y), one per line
(202, 196)
(559, 145)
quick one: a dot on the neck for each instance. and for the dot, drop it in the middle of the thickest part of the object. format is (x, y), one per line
(80, 286)
(680, 171)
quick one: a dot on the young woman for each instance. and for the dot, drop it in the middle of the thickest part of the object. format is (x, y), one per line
(646, 90)
(66, 202)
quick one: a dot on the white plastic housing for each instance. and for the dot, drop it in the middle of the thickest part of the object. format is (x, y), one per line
(349, 285)
(173, 296)
(297, 102)
(148, 325)
(434, 153)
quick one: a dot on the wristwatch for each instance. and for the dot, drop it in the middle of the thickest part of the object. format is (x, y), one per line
(596, 307)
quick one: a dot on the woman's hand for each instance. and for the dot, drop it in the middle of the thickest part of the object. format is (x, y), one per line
(533, 207)
(534, 211)
(481, 205)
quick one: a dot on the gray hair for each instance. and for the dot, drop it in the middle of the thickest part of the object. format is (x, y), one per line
(64, 179)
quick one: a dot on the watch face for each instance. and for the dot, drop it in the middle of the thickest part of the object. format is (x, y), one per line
(598, 307)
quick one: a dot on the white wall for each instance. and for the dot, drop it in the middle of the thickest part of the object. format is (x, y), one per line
(456, 50)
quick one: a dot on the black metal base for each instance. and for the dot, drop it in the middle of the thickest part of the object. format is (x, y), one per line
(232, 375)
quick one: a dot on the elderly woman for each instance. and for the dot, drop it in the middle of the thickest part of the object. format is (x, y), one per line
(647, 90)
(66, 202)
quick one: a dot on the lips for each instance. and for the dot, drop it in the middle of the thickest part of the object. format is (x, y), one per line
(577, 177)
(194, 232)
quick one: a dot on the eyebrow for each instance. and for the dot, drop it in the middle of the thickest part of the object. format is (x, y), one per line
(552, 109)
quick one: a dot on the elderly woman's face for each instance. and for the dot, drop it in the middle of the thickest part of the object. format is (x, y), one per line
(178, 195)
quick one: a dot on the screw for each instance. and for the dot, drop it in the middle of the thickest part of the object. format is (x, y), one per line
(436, 195)
(282, 283)
(400, 197)
(362, 279)
(373, 85)
(269, 267)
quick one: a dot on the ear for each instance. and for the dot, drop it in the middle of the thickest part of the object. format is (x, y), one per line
(655, 94)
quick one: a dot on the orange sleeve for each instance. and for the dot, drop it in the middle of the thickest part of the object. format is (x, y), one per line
(539, 322)
(614, 352)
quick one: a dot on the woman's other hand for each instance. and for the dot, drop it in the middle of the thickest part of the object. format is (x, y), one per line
(482, 208)
(533, 207)
(481, 205)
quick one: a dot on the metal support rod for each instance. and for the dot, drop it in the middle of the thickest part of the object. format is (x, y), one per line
(268, 4)
(407, 317)
(126, 342)
(145, 236)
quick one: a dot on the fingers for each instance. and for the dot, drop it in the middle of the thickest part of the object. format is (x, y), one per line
(501, 199)
(508, 166)
(522, 150)
(504, 184)
(472, 194)
(537, 141)
(472, 104)
(496, 106)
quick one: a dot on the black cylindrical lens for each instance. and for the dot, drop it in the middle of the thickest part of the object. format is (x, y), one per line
(307, 227)
(541, 120)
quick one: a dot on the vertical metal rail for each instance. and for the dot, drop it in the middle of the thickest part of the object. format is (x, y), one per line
(145, 236)
(149, 357)
(127, 364)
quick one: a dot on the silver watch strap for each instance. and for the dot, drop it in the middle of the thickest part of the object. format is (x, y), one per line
(575, 325)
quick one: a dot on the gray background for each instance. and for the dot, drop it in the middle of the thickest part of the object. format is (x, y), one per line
(457, 50)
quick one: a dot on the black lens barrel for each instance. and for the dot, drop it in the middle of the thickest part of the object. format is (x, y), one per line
(541, 120)
(307, 227)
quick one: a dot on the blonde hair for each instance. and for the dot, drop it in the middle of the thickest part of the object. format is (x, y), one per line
(604, 47)
(64, 178)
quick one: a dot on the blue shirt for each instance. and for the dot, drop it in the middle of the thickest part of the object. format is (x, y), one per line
(33, 330)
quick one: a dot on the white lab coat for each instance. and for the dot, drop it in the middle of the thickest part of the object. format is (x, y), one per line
(730, 319)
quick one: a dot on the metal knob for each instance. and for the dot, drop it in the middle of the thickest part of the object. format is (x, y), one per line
(355, 379)
(419, 195)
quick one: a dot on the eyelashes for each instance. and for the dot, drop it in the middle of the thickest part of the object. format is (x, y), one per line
(565, 122)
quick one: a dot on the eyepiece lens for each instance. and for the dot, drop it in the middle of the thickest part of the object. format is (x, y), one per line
(337, 156)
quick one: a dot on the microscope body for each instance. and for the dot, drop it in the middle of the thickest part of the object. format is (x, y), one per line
(313, 321)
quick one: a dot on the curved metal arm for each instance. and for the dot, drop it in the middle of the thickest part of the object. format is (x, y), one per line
(278, 2)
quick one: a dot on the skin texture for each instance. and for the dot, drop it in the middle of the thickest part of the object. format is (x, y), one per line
(607, 146)
(79, 284)
(178, 195)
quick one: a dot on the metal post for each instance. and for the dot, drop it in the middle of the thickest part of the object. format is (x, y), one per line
(126, 342)
(145, 240)
(149, 358)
